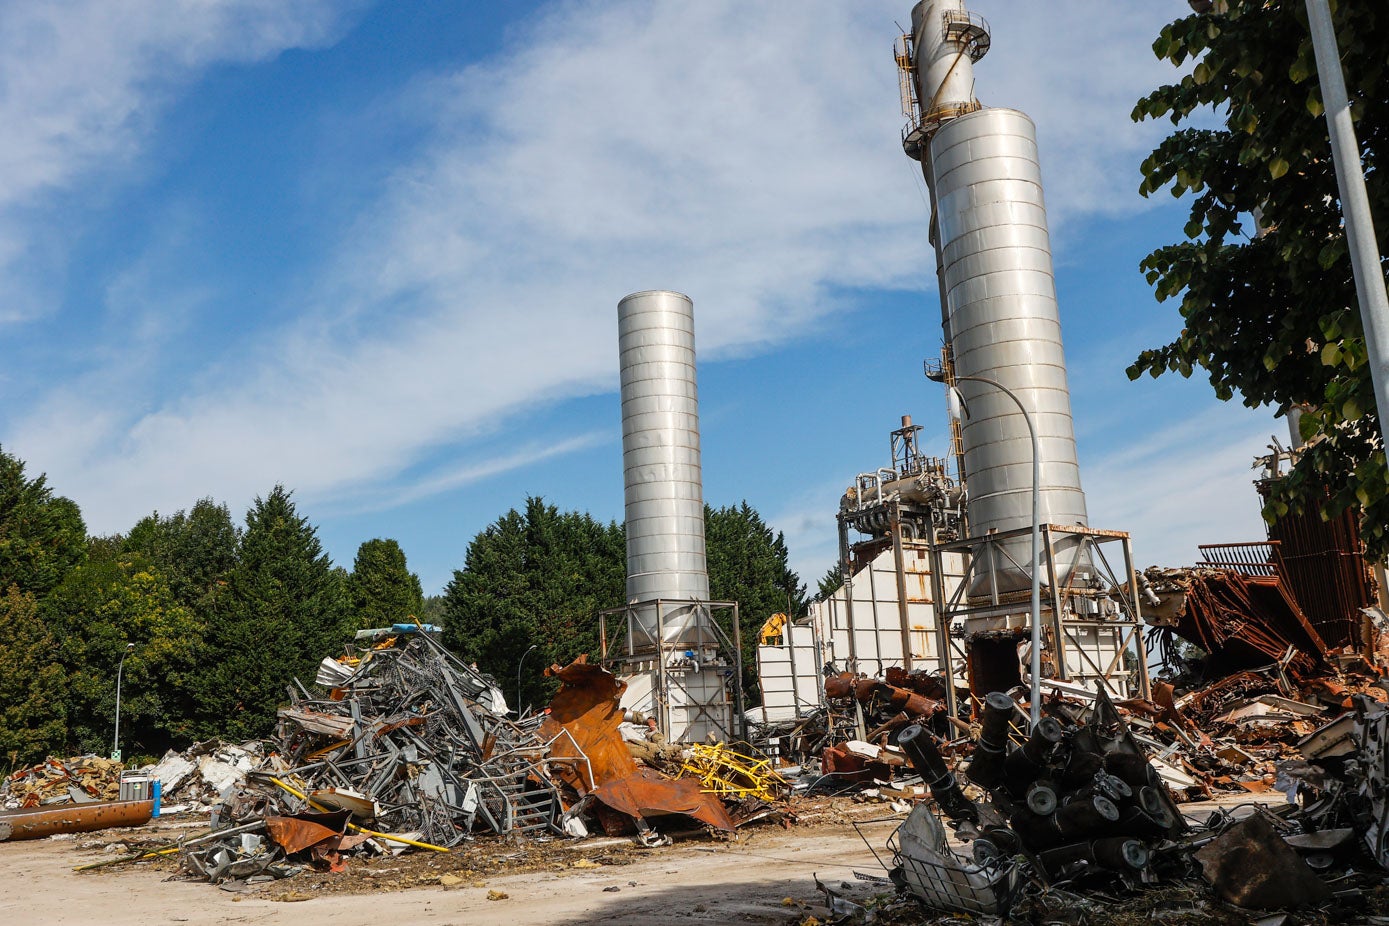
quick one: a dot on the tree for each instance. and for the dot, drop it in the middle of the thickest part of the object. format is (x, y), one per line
(831, 582)
(381, 590)
(1272, 316)
(536, 577)
(100, 607)
(748, 564)
(33, 687)
(41, 535)
(195, 550)
(283, 611)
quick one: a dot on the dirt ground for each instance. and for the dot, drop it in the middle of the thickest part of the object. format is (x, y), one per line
(764, 876)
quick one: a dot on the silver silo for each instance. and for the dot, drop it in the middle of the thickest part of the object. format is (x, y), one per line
(661, 463)
(998, 291)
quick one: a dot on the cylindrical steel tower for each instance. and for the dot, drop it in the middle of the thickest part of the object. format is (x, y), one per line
(661, 464)
(998, 293)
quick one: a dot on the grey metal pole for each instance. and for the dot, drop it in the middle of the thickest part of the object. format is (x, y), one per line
(521, 662)
(116, 739)
(1036, 694)
(1355, 206)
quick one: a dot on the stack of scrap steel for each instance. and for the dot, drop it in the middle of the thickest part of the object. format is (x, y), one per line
(869, 713)
(56, 781)
(1242, 621)
(1074, 799)
(409, 746)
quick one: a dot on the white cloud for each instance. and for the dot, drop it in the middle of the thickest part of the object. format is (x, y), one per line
(744, 153)
(81, 83)
(1183, 485)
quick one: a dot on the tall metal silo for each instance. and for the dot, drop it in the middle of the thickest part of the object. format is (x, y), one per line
(998, 294)
(660, 461)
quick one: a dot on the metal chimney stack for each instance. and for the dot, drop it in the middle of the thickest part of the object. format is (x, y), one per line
(998, 292)
(661, 464)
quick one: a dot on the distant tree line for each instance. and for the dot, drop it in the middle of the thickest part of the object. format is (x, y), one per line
(224, 616)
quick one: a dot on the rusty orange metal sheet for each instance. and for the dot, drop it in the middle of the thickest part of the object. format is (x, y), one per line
(305, 830)
(646, 793)
(38, 822)
(588, 706)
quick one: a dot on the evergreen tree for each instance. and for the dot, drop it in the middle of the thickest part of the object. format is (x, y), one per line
(33, 686)
(41, 535)
(195, 550)
(381, 589)
(538, 578)
(284, 610)
(831, 582)
(748, 564)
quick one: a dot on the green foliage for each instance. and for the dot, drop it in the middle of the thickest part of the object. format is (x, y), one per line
(748, 564)
(432, 610)
(831, 582)
(283, 611)
(534, 577)
(33, 687)
(195, 550)
(1272, 317)
(100, 607)
(41, 535)
(381, 590)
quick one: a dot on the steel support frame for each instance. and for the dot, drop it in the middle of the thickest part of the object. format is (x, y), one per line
(983, 550)
(660, 653)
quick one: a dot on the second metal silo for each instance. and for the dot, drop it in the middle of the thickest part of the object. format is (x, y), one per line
(998, 294)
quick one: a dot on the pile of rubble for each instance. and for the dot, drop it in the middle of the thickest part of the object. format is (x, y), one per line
(81, 779)
(204, 774)
(407, 746)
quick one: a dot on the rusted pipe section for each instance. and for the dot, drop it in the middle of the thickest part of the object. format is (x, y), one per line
(39, 822)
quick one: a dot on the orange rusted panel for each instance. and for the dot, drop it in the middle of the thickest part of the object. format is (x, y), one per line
(587, 705)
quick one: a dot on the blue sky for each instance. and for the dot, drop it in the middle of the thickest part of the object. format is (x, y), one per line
(373, 251)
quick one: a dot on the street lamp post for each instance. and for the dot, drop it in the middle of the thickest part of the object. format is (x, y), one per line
(116, 740)
(939, 376)
(519, 664)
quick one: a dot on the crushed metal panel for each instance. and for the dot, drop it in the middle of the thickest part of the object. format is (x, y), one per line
(1250, 866)
(587, 707)
(305, 830)
(646, 793)
(942, 880)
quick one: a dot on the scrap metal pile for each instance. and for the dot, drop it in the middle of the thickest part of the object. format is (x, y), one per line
(409, 746)
(1075, 810)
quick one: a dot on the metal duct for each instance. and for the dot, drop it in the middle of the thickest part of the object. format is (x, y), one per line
(661, 465)
(944, 58)
(999, 294)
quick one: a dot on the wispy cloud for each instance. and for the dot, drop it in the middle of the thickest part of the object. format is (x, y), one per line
(81, 84)
(744, 153)
(1183, 485)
